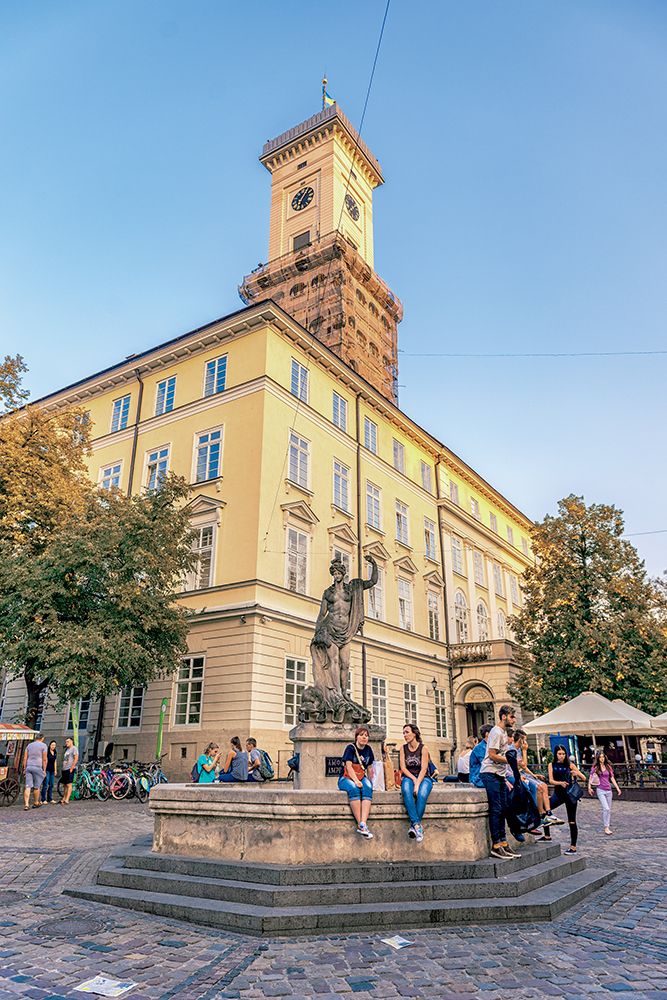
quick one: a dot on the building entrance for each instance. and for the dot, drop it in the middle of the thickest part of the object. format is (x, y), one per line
(479, 709)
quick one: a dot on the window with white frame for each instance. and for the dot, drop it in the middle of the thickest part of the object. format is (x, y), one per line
(341, 485)
(453, 492)
(370, 435)
(514, 589)
(379, 701)
(405, 614)
(482, 622)
(120, 414)
(510, 534)
(478, 568)
(498, 580)
(524, 545)
(340, 412)
(156, 467)
(295, 682)
(427, 477)
(215, 376)
(110, 476)
(433, 601)
(440, 714)
(84, 715)
(164, 398)
(209, 454)
(373, 507)
(402, 526)
(502, 625)
(410, 703)
(493, 522)
(297, 560)
(345, 558)
(202, 545)
(430, 550)
(399, 455)
(299, 454)
(189, 689)
(130, 707)
(461, 616)
(375, 598)
(457, 555)
(41, 705)
(299, 381)
(474, 508)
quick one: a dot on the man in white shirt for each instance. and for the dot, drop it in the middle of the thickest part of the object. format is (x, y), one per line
(492, 774)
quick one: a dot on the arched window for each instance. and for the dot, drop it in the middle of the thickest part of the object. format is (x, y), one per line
(297, 289)
(461, 616)
(482, 622)
(502, 625)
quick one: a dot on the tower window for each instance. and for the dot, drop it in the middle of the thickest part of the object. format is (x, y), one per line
(300, 166)
(302, 240)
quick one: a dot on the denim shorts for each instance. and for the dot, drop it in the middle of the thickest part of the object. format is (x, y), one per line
(34, 776)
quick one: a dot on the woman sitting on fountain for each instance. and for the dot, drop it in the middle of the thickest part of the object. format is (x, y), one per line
(357, 758)
(236, 764)
(416, 786)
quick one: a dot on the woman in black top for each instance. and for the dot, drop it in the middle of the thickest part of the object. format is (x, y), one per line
(416, 785)
(50, 774)
(562, 773)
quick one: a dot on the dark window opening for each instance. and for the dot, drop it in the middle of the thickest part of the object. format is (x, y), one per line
(302, 240)
(300, 166)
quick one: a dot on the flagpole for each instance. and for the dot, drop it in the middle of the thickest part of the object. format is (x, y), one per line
(324, 91)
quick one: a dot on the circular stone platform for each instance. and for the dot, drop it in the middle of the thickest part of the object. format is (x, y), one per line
(270, 824)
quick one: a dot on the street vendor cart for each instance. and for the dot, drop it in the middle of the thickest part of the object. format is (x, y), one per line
(13, 738)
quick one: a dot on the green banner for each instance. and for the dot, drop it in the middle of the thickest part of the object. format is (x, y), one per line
(160, 728)
(74, 715)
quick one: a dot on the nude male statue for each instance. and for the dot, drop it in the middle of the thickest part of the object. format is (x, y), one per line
(340, 618)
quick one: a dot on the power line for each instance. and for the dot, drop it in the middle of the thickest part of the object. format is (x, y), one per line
(633, 534)
(562, 354)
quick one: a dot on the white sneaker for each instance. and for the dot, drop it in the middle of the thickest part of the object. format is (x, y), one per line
(419, 833)
(364, 831)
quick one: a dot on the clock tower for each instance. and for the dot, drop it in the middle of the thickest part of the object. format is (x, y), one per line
(320, 266)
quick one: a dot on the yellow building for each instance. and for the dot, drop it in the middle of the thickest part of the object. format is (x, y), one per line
(283, 417)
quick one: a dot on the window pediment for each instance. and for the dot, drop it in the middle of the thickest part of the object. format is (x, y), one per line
(299, 510)
(205, 509)
(406, 565)
(343, 533)
(433, 579)
(377, 550)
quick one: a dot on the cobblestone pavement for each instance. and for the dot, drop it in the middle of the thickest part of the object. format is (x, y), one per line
(613, 943)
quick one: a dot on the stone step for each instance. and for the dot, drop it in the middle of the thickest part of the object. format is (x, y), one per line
(512, 884)
(542, 903)
(340, 873)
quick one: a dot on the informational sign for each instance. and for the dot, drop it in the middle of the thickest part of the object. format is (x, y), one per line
(333, 767)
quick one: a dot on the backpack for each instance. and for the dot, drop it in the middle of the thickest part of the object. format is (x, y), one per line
(195, 773)
(266, 766)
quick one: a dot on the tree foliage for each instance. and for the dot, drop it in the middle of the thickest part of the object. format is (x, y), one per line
(88, 578)
(591, 619)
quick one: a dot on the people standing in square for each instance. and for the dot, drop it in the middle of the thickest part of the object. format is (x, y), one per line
(70, 760)
(492, 774)
(35, 770)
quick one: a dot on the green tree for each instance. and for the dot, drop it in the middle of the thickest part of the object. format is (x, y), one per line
(591, 619)
(88, 579)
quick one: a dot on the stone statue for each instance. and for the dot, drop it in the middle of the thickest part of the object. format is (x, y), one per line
(340, 618)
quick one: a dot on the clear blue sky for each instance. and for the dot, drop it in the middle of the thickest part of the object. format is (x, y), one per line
(524, 147)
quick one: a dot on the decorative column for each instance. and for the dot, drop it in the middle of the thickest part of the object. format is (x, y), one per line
(450, 589)
(492, 597)
(472, 593)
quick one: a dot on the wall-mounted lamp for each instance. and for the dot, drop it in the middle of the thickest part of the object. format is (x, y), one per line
(242, 619)
(434, 685)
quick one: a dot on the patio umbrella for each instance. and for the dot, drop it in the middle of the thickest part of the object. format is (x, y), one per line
(653, 725)
(589, 713)
(661, 718)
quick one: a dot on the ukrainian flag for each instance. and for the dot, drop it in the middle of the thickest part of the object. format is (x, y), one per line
(328, 99)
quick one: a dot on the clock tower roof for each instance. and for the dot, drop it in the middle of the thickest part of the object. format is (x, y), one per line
(298, 139)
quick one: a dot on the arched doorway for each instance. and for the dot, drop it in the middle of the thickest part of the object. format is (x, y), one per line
(478, 702)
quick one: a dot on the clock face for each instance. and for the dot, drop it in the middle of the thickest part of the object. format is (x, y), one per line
(352, 207)
(302, 199)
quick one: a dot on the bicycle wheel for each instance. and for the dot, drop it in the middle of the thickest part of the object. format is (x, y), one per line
(102, 790)
(142, 787)
(121, 786)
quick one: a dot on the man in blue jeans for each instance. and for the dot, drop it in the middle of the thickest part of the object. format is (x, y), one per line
(492, 774)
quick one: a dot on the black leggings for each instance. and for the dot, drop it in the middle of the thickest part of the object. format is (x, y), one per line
(559, 797)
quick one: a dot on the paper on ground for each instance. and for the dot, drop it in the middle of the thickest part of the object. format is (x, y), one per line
(397, 942)
(105, 987)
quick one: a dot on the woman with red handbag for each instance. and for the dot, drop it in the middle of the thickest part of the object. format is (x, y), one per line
(357, 759)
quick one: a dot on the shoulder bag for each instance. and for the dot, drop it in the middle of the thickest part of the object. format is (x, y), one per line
(574, 792)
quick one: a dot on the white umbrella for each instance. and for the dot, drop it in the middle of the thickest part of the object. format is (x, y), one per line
(589, 713)
(653, 725)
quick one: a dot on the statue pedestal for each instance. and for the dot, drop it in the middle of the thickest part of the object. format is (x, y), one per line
(320, 746)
